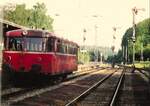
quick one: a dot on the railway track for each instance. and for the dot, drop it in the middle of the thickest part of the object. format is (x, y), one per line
(121, 89)
(62, 93)
(89, 97)
(11, 95)
(7, 88)
(107, 87)
(7, 85)
(135, 90)
(144, 74)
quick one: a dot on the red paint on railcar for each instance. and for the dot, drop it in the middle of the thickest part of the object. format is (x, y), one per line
(41, 62)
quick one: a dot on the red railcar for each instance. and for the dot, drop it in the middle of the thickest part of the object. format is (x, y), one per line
(38, 52)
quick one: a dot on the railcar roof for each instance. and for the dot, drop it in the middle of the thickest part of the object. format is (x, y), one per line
(35, 33)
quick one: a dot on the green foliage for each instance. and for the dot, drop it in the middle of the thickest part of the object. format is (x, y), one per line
(83, 57)
(147, 51)
(92, 55)
(143, 31)
(143, 64)
(35, 17)
(142, 38)
(116, 58)
(95, 52)
(110, 59)
(127, 36)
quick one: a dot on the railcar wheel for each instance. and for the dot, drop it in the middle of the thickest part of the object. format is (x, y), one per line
(64, 77)
(6, 75)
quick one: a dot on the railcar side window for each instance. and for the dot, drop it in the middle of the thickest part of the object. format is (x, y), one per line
(76, 50)
(70, 49)
(63, 48)
(50, 44)
(58, 46)
(67, 48)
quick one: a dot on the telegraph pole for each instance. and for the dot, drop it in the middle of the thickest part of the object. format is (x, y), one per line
(84, 51)
(126, 56)
(96, 52)
(113, 47)
(114, 38)
(123, 54)
(128, 51)
(101, 57)
(84, 38)
(142, 48)
(95, 48)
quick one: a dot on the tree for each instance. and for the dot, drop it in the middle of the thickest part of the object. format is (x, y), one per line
(34, 17)
(116, 58)
(83, 57)
(142, 38)
(19, 15)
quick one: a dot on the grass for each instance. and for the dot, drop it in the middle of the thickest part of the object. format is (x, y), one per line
(142, 64)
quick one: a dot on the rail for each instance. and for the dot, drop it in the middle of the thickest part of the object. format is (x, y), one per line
(33, 92)
(112, 103)
(89, 90)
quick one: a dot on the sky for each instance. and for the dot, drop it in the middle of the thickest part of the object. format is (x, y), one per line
(97, 17)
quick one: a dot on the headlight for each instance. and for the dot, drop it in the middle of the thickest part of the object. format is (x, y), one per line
(24, 32)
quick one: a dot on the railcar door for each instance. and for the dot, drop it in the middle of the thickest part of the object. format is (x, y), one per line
(34, 55)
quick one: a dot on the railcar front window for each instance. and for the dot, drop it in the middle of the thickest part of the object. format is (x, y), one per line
(28, 44)
(35, 44)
